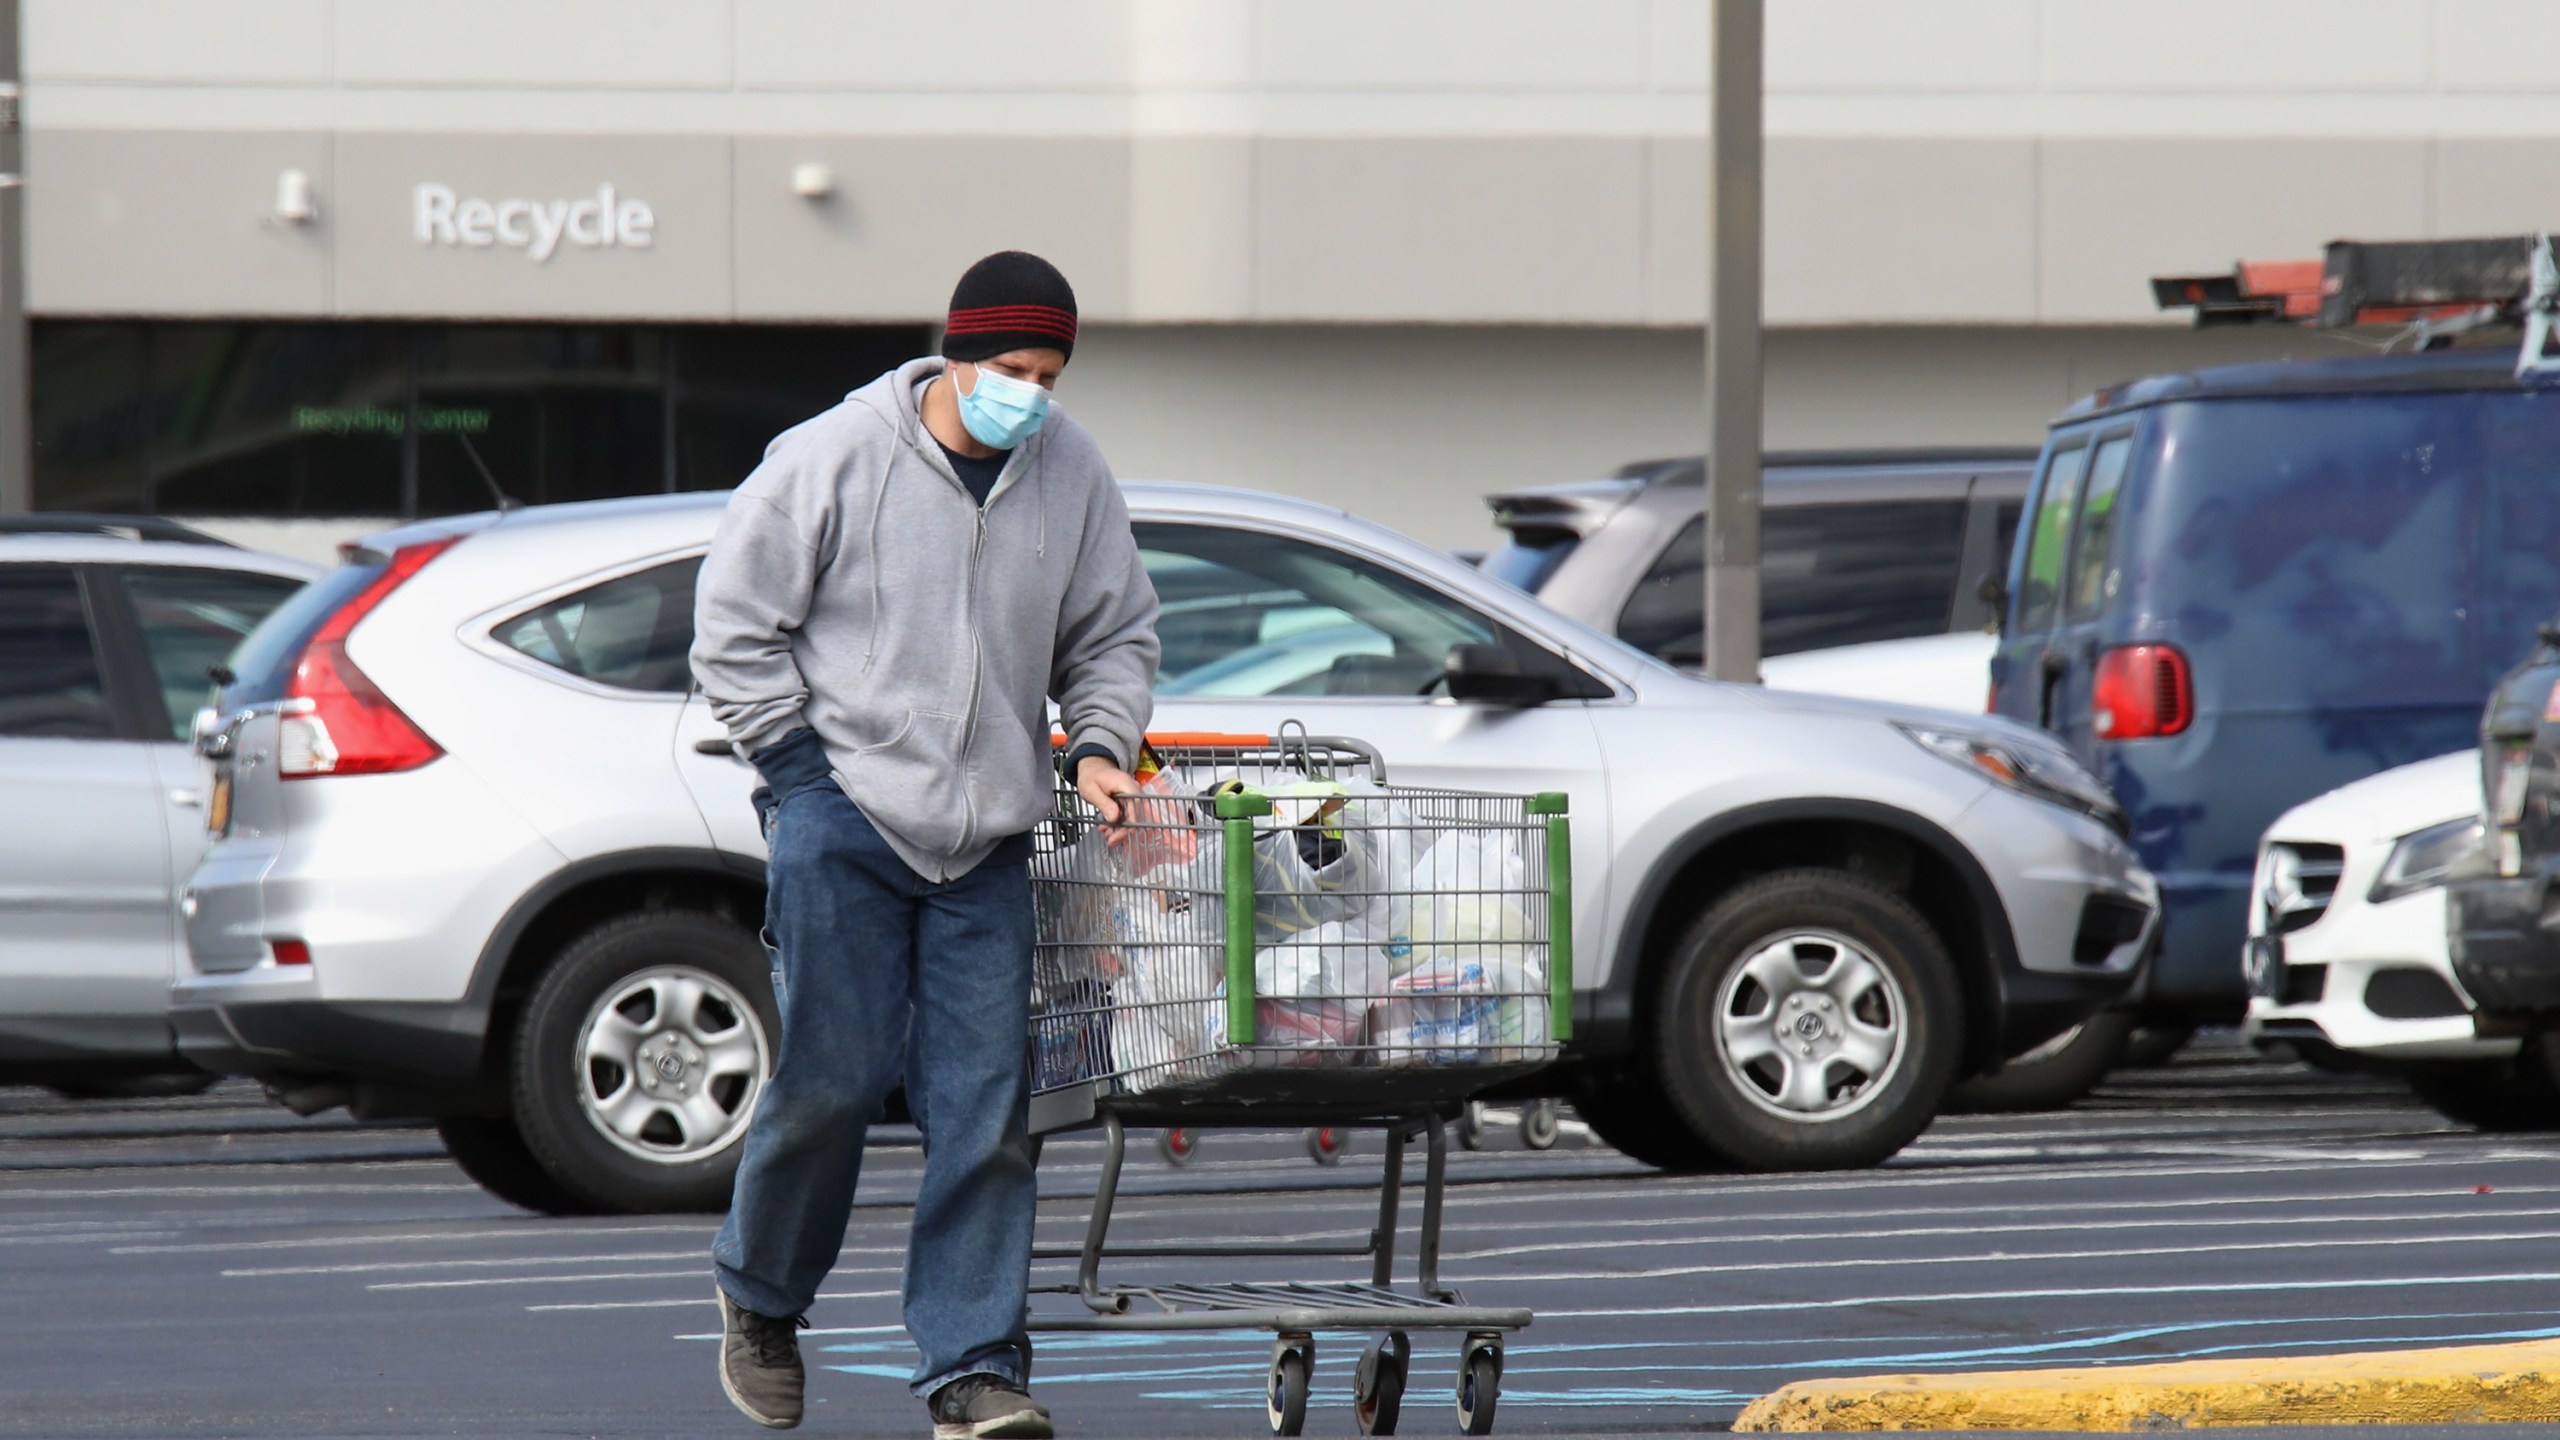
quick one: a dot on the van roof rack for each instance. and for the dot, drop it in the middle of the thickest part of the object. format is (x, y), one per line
(125, 527)
(2436, 290)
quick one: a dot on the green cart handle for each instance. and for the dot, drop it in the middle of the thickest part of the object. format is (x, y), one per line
(1237, 810)
(1553, 804)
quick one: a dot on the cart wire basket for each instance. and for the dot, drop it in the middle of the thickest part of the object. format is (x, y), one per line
(1274, 935)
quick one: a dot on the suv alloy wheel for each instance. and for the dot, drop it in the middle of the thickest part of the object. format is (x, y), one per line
(640, 1056)
(1810, 1020)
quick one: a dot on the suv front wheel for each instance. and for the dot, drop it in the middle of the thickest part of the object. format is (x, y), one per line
(1810, 1020)
(639, 1059)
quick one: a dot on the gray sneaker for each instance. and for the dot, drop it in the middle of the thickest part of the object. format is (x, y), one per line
(760, 1364)
(987, 1407)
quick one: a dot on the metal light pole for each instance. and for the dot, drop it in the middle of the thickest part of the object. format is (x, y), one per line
(1733, 342)
(17, 484)
(17, 479)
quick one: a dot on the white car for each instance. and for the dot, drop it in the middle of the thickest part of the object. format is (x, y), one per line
(2347, 960)
(108, 627)
(489, 861)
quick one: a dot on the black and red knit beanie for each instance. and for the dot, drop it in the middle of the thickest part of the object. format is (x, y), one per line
(1012, 300)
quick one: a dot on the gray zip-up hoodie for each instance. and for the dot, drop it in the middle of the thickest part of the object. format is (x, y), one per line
(857, 589)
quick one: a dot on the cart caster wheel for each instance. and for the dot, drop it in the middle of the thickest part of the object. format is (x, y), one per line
(1471, 1125)
(1324, 1144)
(1479, 1384)
(1377, 1387)
(1538, 1126)
(1177, 1145)
(1293, 1360)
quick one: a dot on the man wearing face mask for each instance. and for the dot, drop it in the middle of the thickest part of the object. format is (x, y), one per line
(893, 599)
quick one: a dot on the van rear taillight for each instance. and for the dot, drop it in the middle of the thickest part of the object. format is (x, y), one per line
(2141, 691)
(335, 720)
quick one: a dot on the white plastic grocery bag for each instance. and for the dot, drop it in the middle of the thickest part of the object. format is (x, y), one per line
(1467, 892)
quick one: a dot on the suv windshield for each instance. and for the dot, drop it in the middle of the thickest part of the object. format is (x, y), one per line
(1830, 575)
(1531, 557)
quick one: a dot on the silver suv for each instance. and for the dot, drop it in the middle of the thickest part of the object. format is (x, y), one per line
(491, 861)
(108, 628)
(1857, 547)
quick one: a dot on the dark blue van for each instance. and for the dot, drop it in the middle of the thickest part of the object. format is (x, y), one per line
(2238, 588)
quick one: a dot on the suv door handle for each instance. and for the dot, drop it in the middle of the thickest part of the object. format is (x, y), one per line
(714, 747)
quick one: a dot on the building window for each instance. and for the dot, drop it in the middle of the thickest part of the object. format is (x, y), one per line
(283, 420)
(223, 418)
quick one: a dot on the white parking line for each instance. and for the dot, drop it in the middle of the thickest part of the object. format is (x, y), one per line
(531, 1231)
(84, 1239)
(110, 1192)
(485, 1281)
(513, 1261)
(706, 1300)
(1580, 1195)
(2063, 1292)
(1925, 1232)
(2359, 1116)
(1997, 1257)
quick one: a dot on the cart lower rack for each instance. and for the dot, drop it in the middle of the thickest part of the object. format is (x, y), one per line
(1276, 937)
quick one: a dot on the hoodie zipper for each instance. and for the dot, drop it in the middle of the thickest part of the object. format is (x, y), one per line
(977, 649)
(977, 658)
(977, 666)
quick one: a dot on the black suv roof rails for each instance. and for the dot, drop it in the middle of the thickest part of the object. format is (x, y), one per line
(2438, 290)
(128, 527)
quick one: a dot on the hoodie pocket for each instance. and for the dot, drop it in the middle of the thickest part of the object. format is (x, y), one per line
(913, 782)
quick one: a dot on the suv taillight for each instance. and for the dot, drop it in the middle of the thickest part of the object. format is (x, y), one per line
(2141, 691)
(335, 720)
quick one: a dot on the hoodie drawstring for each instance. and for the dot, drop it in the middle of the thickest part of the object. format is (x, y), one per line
(871, 552)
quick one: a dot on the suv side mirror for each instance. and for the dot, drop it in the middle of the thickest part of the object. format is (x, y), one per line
(1994, 592)
(1493, 675)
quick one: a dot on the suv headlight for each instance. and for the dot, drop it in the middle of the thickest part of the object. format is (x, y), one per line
(2048, 775)
(2424, 859)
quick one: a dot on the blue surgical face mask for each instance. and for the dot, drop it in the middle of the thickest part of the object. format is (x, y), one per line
(1001, 412)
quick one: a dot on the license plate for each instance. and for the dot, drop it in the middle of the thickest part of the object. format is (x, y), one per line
(217, 805)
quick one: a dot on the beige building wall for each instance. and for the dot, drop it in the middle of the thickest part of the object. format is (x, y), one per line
(1415, 425)
(1444, 161)
(1388, 253)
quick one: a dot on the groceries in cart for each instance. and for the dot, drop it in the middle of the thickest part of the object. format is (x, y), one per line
(1391, 927)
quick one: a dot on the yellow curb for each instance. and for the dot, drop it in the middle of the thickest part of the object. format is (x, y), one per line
(2470, 1384)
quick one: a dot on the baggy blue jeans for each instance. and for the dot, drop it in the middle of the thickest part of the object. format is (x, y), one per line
(880, 972)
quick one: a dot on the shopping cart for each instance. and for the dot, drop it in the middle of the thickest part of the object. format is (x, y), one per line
(1275, 936)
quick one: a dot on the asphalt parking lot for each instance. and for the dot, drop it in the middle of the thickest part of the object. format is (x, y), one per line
(214, 1266)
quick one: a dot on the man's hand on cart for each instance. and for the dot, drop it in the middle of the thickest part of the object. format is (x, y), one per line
(1101, 783)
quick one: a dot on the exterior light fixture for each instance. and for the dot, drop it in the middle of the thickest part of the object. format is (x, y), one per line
(294, 205)
(813, 180)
